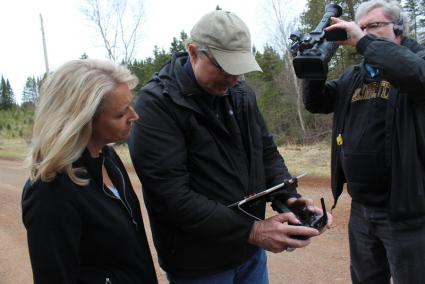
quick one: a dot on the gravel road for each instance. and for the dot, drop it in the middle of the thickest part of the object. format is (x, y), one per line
(324, 261)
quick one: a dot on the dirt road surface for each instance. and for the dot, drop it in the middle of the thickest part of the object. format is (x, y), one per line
(324, 261)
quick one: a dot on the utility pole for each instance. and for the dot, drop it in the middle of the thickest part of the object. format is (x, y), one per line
(46, 62)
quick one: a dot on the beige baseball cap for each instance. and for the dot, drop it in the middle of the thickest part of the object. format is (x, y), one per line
(228, 39)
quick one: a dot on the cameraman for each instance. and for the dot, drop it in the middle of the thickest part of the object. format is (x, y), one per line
(378, 143)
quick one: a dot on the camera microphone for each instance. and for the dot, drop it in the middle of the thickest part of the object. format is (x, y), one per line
(331, 10)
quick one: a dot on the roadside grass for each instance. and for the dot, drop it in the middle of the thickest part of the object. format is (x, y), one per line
(15, 130)
(13, 148)
(15, 123)
(312, 159)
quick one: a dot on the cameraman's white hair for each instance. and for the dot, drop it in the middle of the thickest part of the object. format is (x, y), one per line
(70, 98)
(392, 10)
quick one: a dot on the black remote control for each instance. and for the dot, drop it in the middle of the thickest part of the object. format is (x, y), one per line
(312, 220)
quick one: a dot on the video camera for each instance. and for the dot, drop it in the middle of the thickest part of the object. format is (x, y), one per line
(313, 51)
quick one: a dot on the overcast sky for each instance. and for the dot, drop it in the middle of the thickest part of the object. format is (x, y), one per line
(69, 34)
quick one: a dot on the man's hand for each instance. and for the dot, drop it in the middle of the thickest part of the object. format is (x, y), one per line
(274, 234)
(297, 204)
(354, 32)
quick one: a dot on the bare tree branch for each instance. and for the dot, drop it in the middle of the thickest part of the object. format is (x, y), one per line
(118, 23)
(284, 23)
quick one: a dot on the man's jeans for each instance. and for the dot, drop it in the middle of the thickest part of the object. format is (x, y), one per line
(254, 271)
(380, 248)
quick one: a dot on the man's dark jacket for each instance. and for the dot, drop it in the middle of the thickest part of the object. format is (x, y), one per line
(83, 234)
(404, 67)
(191, 167)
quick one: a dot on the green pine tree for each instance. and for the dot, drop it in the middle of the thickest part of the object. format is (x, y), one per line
(84, 56)
(31, 91)
(10, 95)
(413, 10)
(421, 23)
(2, 92)
(7, 97)
(178, 44)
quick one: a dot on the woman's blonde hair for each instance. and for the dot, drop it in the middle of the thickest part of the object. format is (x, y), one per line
(70, 98)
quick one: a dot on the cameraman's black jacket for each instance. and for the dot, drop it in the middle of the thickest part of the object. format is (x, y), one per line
(191, 168)
(404, 67)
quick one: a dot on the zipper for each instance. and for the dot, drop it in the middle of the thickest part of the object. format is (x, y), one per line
(126, 203)
(108, 281)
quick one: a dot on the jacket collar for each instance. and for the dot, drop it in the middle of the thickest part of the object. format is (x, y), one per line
(412, 45)
(178, 84)
(174, 75)
(93, 165)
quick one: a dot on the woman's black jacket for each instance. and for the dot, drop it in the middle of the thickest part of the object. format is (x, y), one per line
(83, 234)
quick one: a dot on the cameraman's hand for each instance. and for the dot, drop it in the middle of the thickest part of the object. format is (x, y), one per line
(274, 234)
(354, 32)
(298, 204)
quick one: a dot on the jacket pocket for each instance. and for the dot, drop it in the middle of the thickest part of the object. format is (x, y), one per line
(361, 168)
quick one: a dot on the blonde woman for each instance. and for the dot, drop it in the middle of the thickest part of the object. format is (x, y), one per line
(83, 219)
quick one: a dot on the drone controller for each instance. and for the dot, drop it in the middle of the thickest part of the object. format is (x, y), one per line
(306, 217)
(312, 220)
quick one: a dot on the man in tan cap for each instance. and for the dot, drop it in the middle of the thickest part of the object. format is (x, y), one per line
(200, 145)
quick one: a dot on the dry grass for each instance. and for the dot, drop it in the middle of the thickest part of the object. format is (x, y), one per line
(313, 159)
(13, 148)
